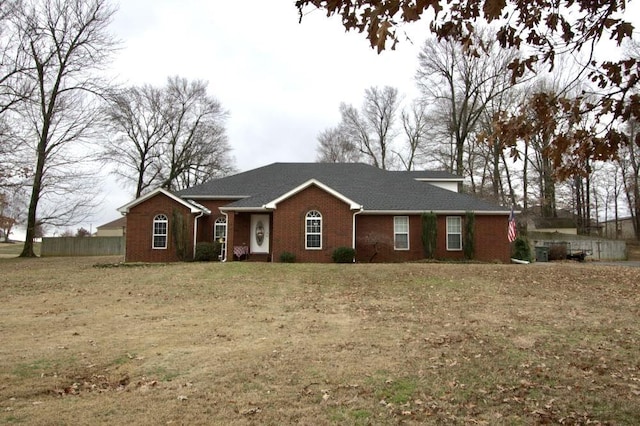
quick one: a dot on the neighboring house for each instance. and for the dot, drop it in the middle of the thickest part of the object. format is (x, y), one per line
(115, 228)
(623, 231)
(309, 210)
(561, 225)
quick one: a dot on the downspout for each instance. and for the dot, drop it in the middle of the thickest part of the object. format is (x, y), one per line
(353, 229)
(195, 232)
(226, 229)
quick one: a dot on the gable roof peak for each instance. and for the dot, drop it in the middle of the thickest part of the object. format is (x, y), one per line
(192, 206)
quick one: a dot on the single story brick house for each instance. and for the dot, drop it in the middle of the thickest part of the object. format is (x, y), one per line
(115, 228)
(309, 210)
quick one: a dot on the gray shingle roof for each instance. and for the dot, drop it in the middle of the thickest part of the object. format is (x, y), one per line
(373, 188)
(118, 223)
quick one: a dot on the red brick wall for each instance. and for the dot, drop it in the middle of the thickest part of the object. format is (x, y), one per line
(375, 239)
(491, 242)
(242, 229)
(441, 244)
(288, 225)
(205, 223)
(491, 239)
(140, 230)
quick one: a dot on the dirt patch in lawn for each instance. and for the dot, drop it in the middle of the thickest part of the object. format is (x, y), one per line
(251, 343)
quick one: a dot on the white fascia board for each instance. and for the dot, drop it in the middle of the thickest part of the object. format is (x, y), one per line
(200, 206)
(441, 212)
(439, 180)
(125, 209)
(245, 209)
(352, 204)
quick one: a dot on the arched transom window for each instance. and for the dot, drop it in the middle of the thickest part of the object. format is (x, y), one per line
(313, 230)
(160, 223)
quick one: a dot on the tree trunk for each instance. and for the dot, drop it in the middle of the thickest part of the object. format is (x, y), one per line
(27, 250)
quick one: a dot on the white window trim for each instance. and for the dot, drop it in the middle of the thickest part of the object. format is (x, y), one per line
(222, 223)
(396, 232)
(459, 218)
(306, 229)
(160, 218)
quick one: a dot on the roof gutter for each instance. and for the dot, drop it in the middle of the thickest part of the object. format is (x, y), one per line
(226, 231)
(441, 212)
(195, 232)
(244, 209)
(353, 229)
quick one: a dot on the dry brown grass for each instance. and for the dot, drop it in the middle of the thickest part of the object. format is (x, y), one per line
(13, 249)
(250, 343)
(633, 250)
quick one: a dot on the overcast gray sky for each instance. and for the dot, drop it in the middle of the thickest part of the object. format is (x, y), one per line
(281, 81)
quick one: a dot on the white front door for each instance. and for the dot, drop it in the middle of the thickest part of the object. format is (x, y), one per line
(260, 233)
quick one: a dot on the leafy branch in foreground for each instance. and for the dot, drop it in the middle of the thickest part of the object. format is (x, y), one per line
(541, 31)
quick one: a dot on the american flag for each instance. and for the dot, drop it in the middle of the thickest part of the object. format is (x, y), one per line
(512, 230)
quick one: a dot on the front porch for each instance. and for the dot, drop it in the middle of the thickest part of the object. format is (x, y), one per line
(249, 236)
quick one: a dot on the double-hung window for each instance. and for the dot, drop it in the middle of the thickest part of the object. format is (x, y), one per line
(401, 232)
(313, 230)
(454, 233)
(160, 223)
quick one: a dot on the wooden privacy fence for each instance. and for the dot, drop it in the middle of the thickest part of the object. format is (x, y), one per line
(82, 246)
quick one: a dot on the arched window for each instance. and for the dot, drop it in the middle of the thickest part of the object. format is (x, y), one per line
(160, 223)
(313, 230)
(220, 235)
(220, 229)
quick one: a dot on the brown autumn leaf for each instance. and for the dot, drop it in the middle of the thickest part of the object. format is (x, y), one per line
(493, 9)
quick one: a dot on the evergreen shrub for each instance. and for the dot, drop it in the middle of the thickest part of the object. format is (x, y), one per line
(343, 255)
(287, 257)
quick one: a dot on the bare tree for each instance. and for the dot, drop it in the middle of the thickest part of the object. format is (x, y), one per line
(6, 152)
(138, 129)
(607, 189)
(173, 136)
(335, 146)
(197, 148)
(372, 129)
(539, 140)
(541, 31)
(12, 89)
(12, 59)
(629, 158)
(12, 210)
(66, 43)
(629, 161)
(462, 86)
(415, 124)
